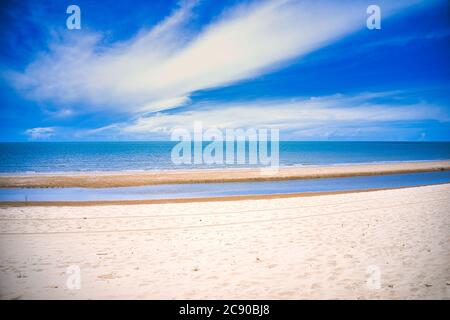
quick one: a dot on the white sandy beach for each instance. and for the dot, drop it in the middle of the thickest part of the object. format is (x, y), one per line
(318, 247)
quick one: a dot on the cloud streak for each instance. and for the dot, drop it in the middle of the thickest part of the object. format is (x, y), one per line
(160, 68)
(299, 118)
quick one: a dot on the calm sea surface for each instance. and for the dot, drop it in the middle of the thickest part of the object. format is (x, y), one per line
(47, 157)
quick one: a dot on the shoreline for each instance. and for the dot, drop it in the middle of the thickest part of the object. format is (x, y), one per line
(134, 179)
(215, 169)
(7, 204)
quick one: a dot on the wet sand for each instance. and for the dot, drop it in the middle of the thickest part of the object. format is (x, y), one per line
(121, 179)
(387, 244)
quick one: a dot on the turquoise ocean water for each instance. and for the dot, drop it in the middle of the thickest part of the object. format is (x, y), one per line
(45, 157)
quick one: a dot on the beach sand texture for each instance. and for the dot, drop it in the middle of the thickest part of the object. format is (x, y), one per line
(120, 179)
(320, 247)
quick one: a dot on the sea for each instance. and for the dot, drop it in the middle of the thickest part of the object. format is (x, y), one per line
(55, 157)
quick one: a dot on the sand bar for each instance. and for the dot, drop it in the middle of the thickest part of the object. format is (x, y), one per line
(188, 200)
(120, 179)
(329, 246)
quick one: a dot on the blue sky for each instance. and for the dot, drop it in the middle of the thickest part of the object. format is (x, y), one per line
(310, 68)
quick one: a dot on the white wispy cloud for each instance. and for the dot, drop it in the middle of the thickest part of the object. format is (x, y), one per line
(159, 68)
(40, 133)
(166, 104)
(317, 117)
